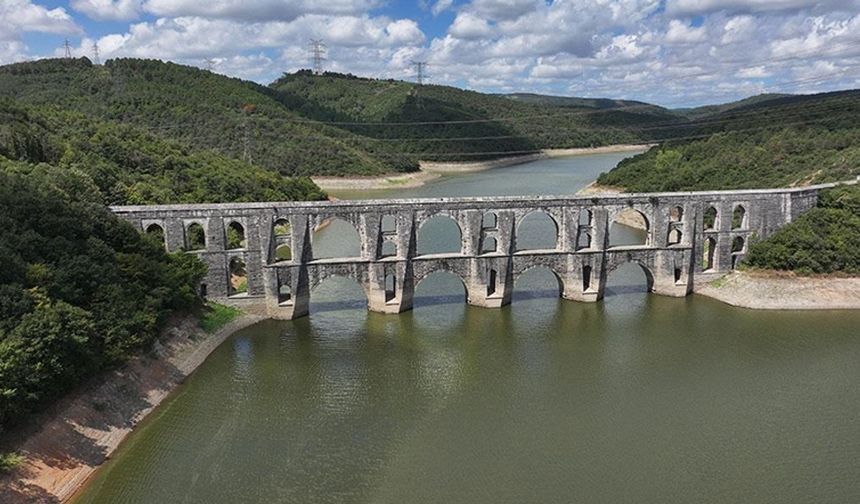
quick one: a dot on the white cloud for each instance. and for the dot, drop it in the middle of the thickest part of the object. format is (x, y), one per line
(18, 16)
(693, 7)
(257, 10)
(115, 10)
(441, 6)
(469, 26)
(12, 51)
(681, 33)
(504, 9)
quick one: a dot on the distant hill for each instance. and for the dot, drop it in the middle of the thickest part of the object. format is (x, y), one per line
(336, 124)
(706, 110)
(783, 141)
(476, 123)
(199, 108)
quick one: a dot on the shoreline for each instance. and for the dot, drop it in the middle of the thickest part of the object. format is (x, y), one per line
(773, 290)
(65, 445)
(432, 170)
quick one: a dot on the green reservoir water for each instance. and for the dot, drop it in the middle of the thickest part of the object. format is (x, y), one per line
(636, 399)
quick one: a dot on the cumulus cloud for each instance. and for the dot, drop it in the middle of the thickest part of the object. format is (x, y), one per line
(18, 16)
(468, 26)
(114, 10)
(256, 10)
(694, 7)
(441, 6)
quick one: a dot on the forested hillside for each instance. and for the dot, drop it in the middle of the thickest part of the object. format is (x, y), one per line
(785, 141)
(80, 290)
(824, 240)
(445, 123)
(132, 166)
(235, 118)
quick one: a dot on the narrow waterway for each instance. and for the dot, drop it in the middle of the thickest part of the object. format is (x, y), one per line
(638, 399)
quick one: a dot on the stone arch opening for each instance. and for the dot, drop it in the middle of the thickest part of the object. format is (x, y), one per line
(492, 282)
(489, 245)
(235, 236)
(195, 237)
(709, 252)
(388, 224)
(336, 239)
(439, 234)
(389, 249)
(238, 275)
(676, 214)
(675, 236)
(739, 217)
(738, 245)
(538, 282)
(709, 219)
(390, 286)
(336, 292)
(586, 278)
(156, 233)
(629, 277)
(629, 228)
(490, 221)
(440, 287)
(585, 217)
(537, 231)
(283, 239)
(584, 240)
(285, 294)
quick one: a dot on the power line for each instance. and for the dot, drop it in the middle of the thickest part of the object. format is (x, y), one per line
(317, 50)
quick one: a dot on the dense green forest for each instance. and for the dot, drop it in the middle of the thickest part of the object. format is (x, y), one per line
(200, 109)
(777, 142)
(80, 290)
(132, 166)
(824, 240)
(433, 122)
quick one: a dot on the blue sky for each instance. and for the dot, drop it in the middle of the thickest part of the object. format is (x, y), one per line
(670, 52)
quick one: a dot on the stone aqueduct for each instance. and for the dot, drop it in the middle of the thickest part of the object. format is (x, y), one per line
(691, 237)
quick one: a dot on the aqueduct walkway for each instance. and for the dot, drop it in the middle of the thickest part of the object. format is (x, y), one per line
(691, 237)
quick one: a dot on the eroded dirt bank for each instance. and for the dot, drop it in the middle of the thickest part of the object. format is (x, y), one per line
(65, 445)
(784, 291)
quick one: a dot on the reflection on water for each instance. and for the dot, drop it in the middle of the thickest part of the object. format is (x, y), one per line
(638, 398)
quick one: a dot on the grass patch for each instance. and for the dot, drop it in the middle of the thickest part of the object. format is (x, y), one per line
(9, 461)
(215, 316)
(720, 282)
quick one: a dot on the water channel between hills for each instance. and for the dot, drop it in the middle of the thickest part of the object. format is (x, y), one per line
(638, 398)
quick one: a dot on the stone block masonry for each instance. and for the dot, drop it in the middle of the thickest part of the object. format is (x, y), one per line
(690, 237)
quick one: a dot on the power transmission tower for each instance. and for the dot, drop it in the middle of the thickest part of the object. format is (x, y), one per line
(96, 59)
(67, 49)
(210, 63)
(317, 50)
(420, 71)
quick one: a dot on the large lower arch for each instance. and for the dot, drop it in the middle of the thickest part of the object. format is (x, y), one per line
(537, 231)
(335, 291)
(538, 282)
(335, 239)
(630, 228)
(439, 234)
(624, 277)
(440, 286)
